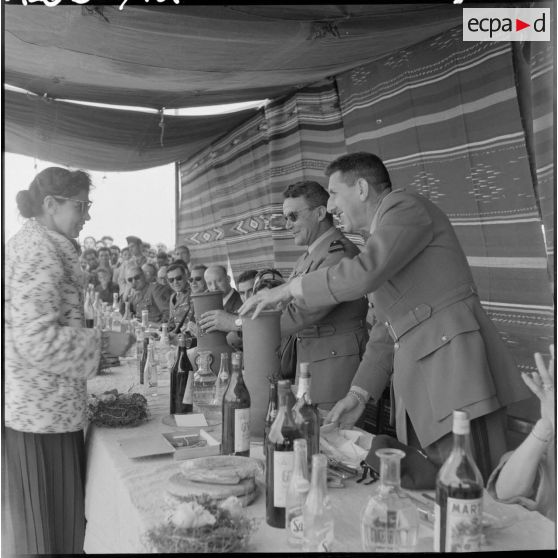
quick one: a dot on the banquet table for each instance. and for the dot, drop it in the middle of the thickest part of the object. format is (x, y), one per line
(126, 497)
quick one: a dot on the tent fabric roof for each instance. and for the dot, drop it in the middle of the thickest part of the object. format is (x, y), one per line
(177, 56)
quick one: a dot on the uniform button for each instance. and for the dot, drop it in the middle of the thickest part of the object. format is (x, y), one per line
(444, 338)
(333, 353)
(396, 346)
(386, 324)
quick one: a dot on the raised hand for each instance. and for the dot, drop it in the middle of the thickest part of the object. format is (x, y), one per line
(542, 385)
(266, 298)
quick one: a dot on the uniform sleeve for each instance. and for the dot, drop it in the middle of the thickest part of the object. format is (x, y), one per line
(403, 229)
(376, 366)
(36, 306)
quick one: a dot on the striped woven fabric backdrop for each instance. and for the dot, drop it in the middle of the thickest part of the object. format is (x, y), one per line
(231, 195)
(444, 116)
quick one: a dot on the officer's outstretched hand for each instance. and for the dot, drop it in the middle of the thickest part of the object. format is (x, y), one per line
(266, 298)
(345, 412)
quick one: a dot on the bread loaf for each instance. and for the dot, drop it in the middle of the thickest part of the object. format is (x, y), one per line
(221, 469)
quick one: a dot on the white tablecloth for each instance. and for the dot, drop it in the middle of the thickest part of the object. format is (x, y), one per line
(125, 497)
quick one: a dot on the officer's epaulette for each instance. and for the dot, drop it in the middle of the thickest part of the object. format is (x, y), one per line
(336, 246)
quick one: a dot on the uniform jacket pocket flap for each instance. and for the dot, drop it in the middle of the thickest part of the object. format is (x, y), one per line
(332, 346)
(442, 327)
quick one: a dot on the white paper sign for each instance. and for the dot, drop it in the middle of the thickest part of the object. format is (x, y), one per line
(191, 419)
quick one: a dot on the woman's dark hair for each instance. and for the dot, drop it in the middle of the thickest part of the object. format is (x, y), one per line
(53, 181)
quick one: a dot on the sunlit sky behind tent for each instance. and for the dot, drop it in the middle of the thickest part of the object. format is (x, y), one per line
(140, 203)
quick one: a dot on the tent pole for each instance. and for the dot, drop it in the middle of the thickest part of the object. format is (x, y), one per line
(176, 200)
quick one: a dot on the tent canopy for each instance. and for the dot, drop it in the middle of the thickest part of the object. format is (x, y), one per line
(178, 56)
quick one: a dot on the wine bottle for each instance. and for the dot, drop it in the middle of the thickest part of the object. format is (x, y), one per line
(279, 458)
(235, 438)
(317, 514)
(179, 375)
(459, 487)
(143, 358)
(296, 495)
(306, 414)
(272, 407)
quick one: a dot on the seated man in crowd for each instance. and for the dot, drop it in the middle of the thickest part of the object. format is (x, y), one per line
(103, 254)
(89, 256)
(105, 287)
(182, 252)
(150, 272)
(333, 338)
(162, 259)
(217, 279)
(162, 275)
(114, 256)
(181, 309)
(147, 296)
(197, 279)
(246, 283)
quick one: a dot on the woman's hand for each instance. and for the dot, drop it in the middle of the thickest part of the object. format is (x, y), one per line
(542, 385)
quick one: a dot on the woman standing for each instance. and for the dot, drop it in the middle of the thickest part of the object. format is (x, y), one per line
(49, 355)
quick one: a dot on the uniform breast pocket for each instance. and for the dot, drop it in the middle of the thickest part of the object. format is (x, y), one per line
(451, 359)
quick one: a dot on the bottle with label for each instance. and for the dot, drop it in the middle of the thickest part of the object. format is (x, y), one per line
(180, 372)
(116, 315)
(235, 438)
(459, 487)
(272, 408)
(151, 369)
(389, 522)
(139, 342)
(279, 458)
(143, 358)
(107, 316)
(317, 513)
(296, 495)
(306, 414)
(88, 307)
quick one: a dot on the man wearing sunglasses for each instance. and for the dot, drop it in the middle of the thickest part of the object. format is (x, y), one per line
(333, 338)
(152, 297)
(180, 304)
(197, 280)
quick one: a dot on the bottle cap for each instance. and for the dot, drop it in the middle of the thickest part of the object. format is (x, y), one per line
(461, 422)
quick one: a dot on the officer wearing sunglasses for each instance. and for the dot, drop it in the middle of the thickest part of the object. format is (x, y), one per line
(181, 309)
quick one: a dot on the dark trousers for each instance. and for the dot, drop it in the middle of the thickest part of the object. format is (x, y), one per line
(488, 442)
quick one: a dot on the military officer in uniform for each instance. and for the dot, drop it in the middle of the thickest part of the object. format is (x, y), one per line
(332, 338)
(448, 354)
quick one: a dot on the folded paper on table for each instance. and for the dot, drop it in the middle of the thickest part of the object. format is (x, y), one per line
(190, 419)
(347, 446)
(181, 445)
